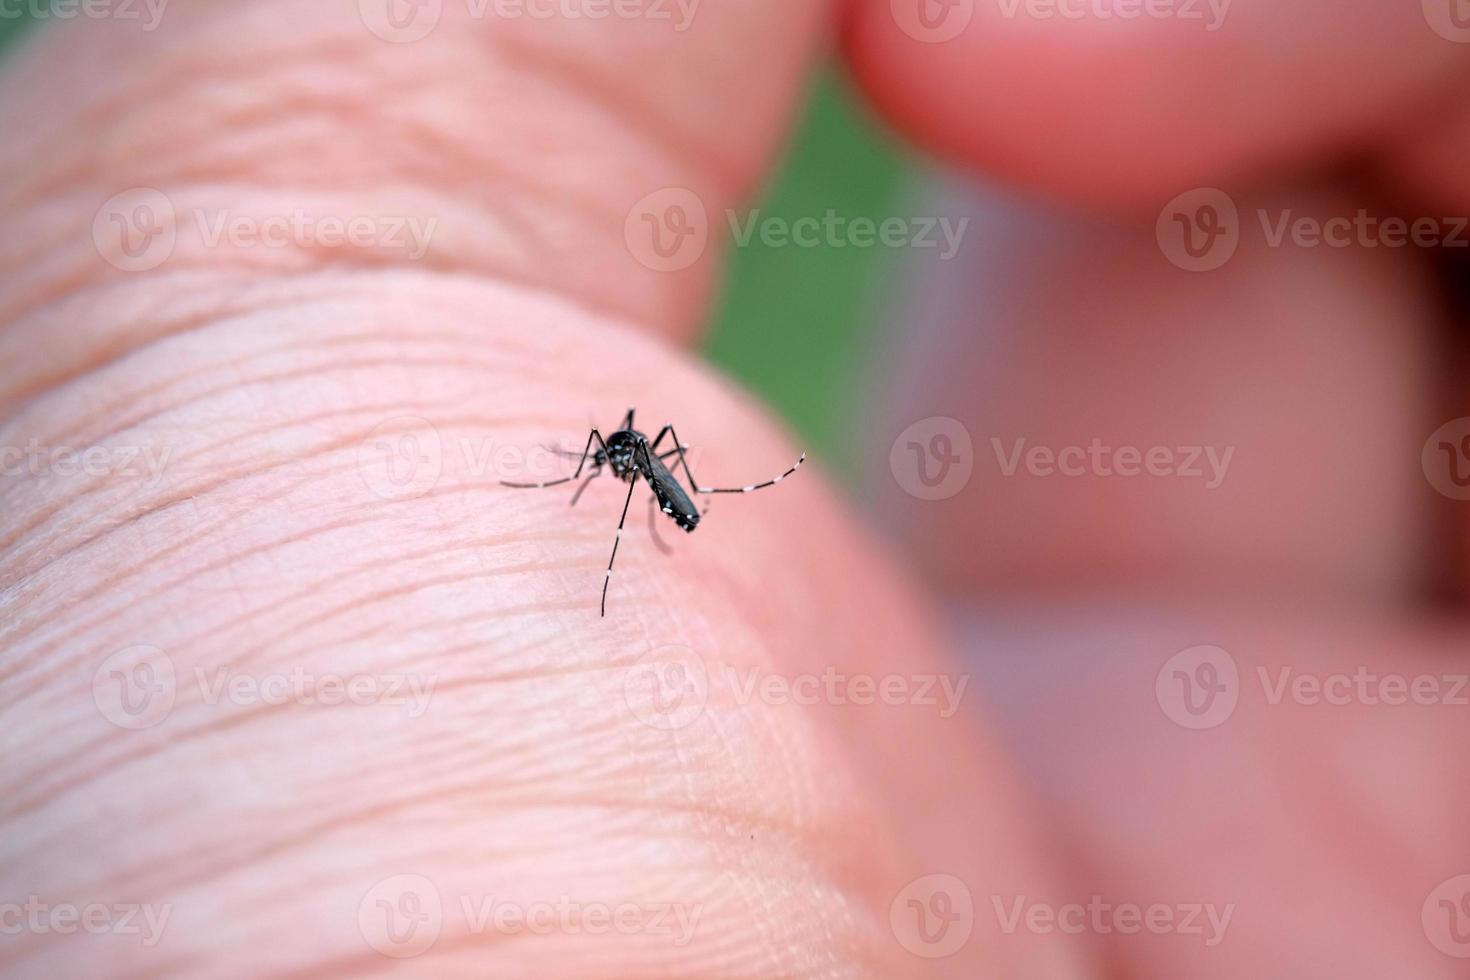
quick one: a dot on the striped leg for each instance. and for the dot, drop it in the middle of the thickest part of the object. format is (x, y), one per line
(653, 526)
(590, 477)
(617, 541)
(694, 484)
(594, 437)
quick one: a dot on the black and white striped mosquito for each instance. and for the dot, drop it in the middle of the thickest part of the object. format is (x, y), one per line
(629, 454)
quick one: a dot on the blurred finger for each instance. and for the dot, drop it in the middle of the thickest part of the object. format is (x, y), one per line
(1114, 103)
(1246, 423)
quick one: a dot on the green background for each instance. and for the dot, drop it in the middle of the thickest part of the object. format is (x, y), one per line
(792, 323)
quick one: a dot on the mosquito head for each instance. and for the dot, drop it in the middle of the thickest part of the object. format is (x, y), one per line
(623, 451)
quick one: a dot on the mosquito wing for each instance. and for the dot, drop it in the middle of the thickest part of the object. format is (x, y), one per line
(671, 496)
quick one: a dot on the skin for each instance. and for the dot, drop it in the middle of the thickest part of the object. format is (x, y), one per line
(532, 776)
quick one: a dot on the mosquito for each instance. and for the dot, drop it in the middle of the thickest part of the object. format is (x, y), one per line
(629, 454)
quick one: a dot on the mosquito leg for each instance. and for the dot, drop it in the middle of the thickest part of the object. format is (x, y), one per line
(617, 540)
(694, 484)
(594, 437)
(679, 448)
(653, 446)
(590, 477)
(754, 486)
(653, 526)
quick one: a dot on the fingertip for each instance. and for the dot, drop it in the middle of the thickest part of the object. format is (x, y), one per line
(1076, 100)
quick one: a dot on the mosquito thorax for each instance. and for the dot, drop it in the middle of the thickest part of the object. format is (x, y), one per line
(622, 447)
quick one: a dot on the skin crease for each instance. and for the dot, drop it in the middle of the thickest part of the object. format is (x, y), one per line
(262, 549)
